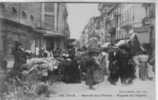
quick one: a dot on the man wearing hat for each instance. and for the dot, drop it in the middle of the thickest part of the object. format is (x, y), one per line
(133, 40)
(19, 57)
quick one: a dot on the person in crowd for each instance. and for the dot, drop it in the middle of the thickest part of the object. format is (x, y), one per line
(103, 59)
(141, 61)
(152, 61)
(92, 66)
(113, 66)
(20, 57)
(82, 59)
(57, 52)
(126, 68)
(70, 70)
(46, 53)
(76, 71)
(41, 52)
(49, 52)
(133, 42)
(135, 49)
(72, 52)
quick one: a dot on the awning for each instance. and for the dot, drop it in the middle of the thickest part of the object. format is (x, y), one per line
(141, 29)
(52, 34)
(22, 26)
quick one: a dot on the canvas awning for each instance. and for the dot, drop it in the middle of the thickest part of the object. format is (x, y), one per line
(52, 34)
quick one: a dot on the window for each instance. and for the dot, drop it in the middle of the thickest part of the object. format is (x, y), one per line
(3, 5)
(49, 7)
(14, 11)
(49, 21)
(31, 17)
(24, 15)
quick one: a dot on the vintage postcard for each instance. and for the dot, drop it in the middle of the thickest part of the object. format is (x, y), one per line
(55, 50)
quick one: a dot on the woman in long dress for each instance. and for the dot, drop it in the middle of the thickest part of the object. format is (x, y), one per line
(93, 71)
(113, 66)
(142, 62)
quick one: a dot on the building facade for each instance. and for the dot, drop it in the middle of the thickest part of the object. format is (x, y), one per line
(54, 23)
(98, 26)
(94, 30)
(35, 25)
(123, 15)
(18, 22)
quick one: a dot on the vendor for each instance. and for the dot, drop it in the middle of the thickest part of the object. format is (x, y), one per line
(19, 57)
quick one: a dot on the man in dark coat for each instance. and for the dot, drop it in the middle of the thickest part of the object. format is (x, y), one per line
(126, 67)
(19, 57)
(113, 66)
(71, 72)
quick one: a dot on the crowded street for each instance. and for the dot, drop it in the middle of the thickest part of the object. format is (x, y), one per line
(109, 53)
(81, 91)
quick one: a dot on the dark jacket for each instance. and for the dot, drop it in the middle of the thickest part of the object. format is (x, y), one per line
(19, 58)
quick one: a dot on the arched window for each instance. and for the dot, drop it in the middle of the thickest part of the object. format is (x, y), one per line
(24, 15)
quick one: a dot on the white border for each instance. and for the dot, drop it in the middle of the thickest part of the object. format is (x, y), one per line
(92, 1)
(125, 1)
(156, 49)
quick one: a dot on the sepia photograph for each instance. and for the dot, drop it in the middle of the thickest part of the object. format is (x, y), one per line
(77, 50)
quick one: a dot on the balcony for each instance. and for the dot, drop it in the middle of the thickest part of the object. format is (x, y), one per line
(148, 21)
(105, 8)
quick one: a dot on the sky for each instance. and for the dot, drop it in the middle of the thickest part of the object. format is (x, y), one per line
(79, 15)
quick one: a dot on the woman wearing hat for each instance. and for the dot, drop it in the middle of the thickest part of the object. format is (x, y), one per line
(92, 67)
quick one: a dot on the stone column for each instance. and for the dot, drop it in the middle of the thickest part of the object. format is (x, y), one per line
(56, 15)
(1, 40)
(42, 14)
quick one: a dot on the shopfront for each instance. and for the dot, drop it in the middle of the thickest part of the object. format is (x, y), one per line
(54, 40)
(12, 31)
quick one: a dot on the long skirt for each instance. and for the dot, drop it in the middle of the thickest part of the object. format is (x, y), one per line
(143, 71)
(89, 77)
(114, 72)
(94, 76)
(71, 73)
(150, 71)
